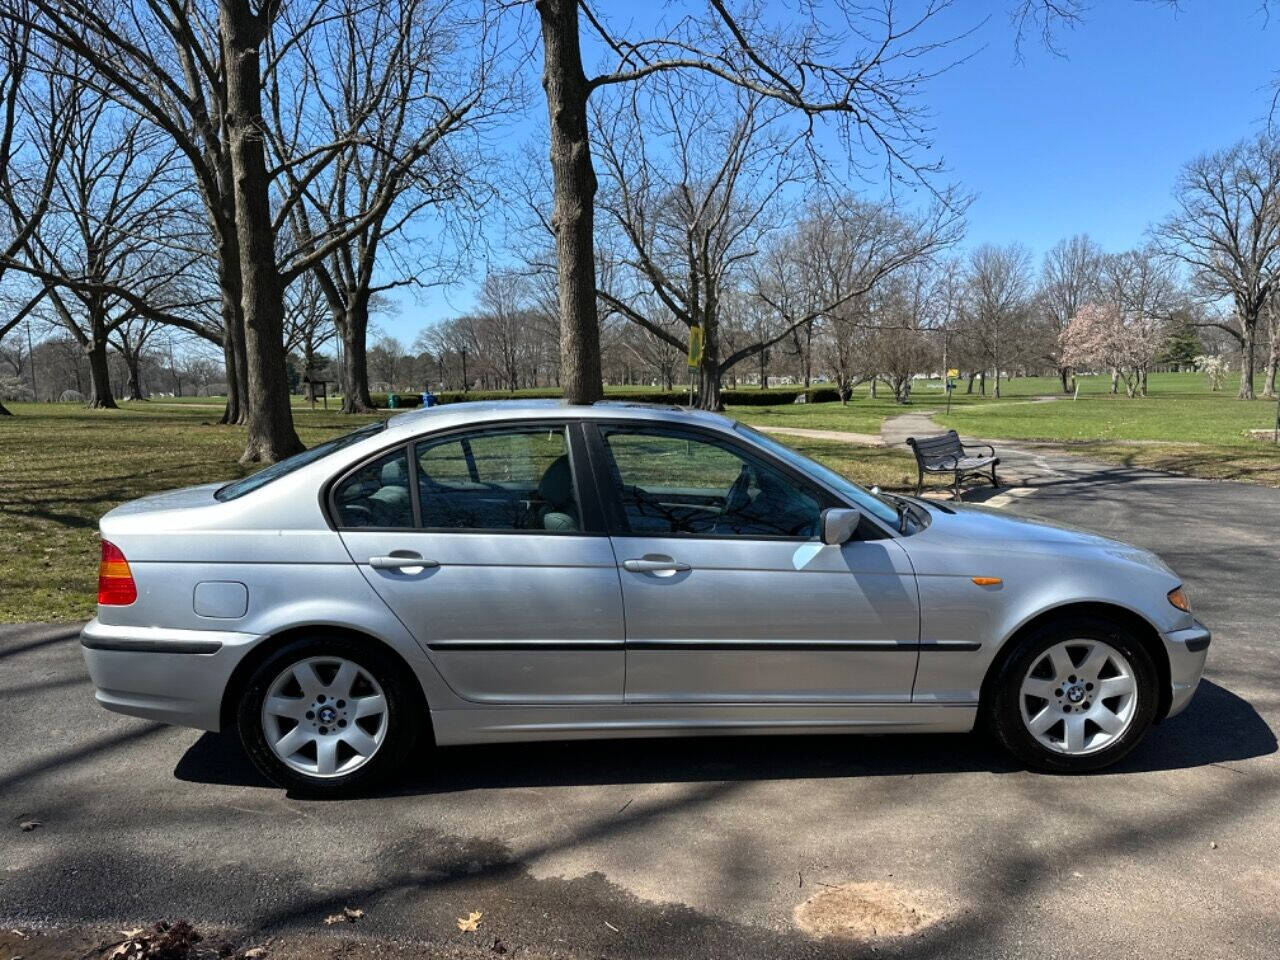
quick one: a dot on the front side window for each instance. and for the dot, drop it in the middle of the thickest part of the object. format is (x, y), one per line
(506, 479)
(376, 494)
(671, 483)
(864, 499)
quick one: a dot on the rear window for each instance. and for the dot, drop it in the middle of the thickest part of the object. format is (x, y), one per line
(264, 476)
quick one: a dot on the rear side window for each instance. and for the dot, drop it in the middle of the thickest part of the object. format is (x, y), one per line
(277, 470)
(377, 494)
(499, 480)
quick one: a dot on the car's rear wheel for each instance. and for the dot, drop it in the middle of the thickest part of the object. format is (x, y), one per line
(328, 716)
(1075, 695)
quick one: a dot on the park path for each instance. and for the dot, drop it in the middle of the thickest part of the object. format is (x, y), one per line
(843, 436)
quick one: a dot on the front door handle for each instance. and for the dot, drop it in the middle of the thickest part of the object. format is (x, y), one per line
(402, 560)
(655, 565)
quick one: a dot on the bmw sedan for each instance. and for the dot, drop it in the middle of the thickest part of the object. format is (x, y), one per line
(530, 571)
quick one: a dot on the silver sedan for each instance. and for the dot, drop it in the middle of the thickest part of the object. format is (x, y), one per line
(530, 571)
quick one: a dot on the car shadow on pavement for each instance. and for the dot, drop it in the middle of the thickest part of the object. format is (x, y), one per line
(1217, 727)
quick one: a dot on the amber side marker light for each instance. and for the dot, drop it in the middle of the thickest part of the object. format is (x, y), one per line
(115, 580)
(987, 581)
(1178, 597)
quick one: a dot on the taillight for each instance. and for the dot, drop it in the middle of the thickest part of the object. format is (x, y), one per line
(115, 580)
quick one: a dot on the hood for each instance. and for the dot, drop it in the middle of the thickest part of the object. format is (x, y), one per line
(988, 527)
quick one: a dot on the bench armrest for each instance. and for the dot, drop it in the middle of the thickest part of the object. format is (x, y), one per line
(991, 451)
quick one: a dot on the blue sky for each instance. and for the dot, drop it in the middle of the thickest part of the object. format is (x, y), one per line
(1089, 142)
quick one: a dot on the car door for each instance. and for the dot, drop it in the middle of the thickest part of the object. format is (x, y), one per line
(478, 541)
(728, 592)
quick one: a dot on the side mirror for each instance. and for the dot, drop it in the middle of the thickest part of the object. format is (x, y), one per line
(838, 524)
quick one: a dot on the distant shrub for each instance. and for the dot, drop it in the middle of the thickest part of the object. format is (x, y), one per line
(71, 396)
(404, 401)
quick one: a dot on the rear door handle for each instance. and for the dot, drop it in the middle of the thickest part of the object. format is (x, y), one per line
(401, 562)
(655, 565)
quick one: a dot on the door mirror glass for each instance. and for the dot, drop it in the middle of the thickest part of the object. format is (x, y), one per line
(838, 525)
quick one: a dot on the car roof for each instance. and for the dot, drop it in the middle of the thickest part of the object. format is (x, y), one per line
(450, 415)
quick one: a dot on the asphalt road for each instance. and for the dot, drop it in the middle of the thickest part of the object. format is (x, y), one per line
(700, 848)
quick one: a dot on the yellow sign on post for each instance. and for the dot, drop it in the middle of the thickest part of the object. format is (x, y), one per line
(695, 346)
(953, 373)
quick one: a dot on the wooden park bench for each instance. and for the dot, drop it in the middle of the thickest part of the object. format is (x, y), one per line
(946, 454)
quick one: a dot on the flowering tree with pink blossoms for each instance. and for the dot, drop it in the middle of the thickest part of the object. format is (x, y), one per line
(1103, 336)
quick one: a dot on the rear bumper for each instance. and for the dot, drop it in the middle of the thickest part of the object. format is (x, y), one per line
(1187, 649)
(174, 676)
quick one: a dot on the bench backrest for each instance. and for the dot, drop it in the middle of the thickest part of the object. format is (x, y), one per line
(932, 448)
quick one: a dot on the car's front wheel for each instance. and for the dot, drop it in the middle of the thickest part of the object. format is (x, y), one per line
(1075, 695)
(327, 716)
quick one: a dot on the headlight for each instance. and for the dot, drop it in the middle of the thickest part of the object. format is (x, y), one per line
(1178, 597)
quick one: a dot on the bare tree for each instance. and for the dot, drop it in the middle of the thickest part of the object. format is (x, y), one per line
(1226, 229)
(407, 86)
(113, 200)
(998, 303)
(694, 184)
(804, 61)
(901, 343)
(26, 180)
(824, 270)
(197, 69)
(1068, 280)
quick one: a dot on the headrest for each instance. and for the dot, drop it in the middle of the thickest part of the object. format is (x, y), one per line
(556, 485)
(393, 473)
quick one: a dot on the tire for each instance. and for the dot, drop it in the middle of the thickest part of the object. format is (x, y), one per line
(1077, 714)
(356, 721)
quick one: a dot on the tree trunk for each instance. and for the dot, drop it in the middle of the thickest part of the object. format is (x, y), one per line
(234, 410)
(1115, 381)
(5, 411)
(99, 376)
(354, 329)
(573, 214)
(269, 417)
(1064, 372)
(1247, 364)
(1273, 360)
(132, 362)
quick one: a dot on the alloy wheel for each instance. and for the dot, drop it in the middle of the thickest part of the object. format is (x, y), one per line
(1078, 697)
(325, 716)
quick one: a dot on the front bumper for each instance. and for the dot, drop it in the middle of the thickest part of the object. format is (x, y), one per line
(174, 676)
(1187, 650)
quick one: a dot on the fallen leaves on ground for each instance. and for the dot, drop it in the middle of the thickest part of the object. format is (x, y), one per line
(164, 941)
(348, 915)
(470, 923)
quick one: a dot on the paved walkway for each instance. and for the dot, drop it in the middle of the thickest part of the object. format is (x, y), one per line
(844, 436)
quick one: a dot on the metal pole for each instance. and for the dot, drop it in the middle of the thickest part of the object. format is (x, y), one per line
(31, 359)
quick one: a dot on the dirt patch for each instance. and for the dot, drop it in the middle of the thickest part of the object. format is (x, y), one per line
(866, 911)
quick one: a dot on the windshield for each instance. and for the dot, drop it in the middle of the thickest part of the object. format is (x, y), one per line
(864, 499)
(277, 470)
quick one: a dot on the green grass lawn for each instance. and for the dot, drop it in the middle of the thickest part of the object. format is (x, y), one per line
(62, 467)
